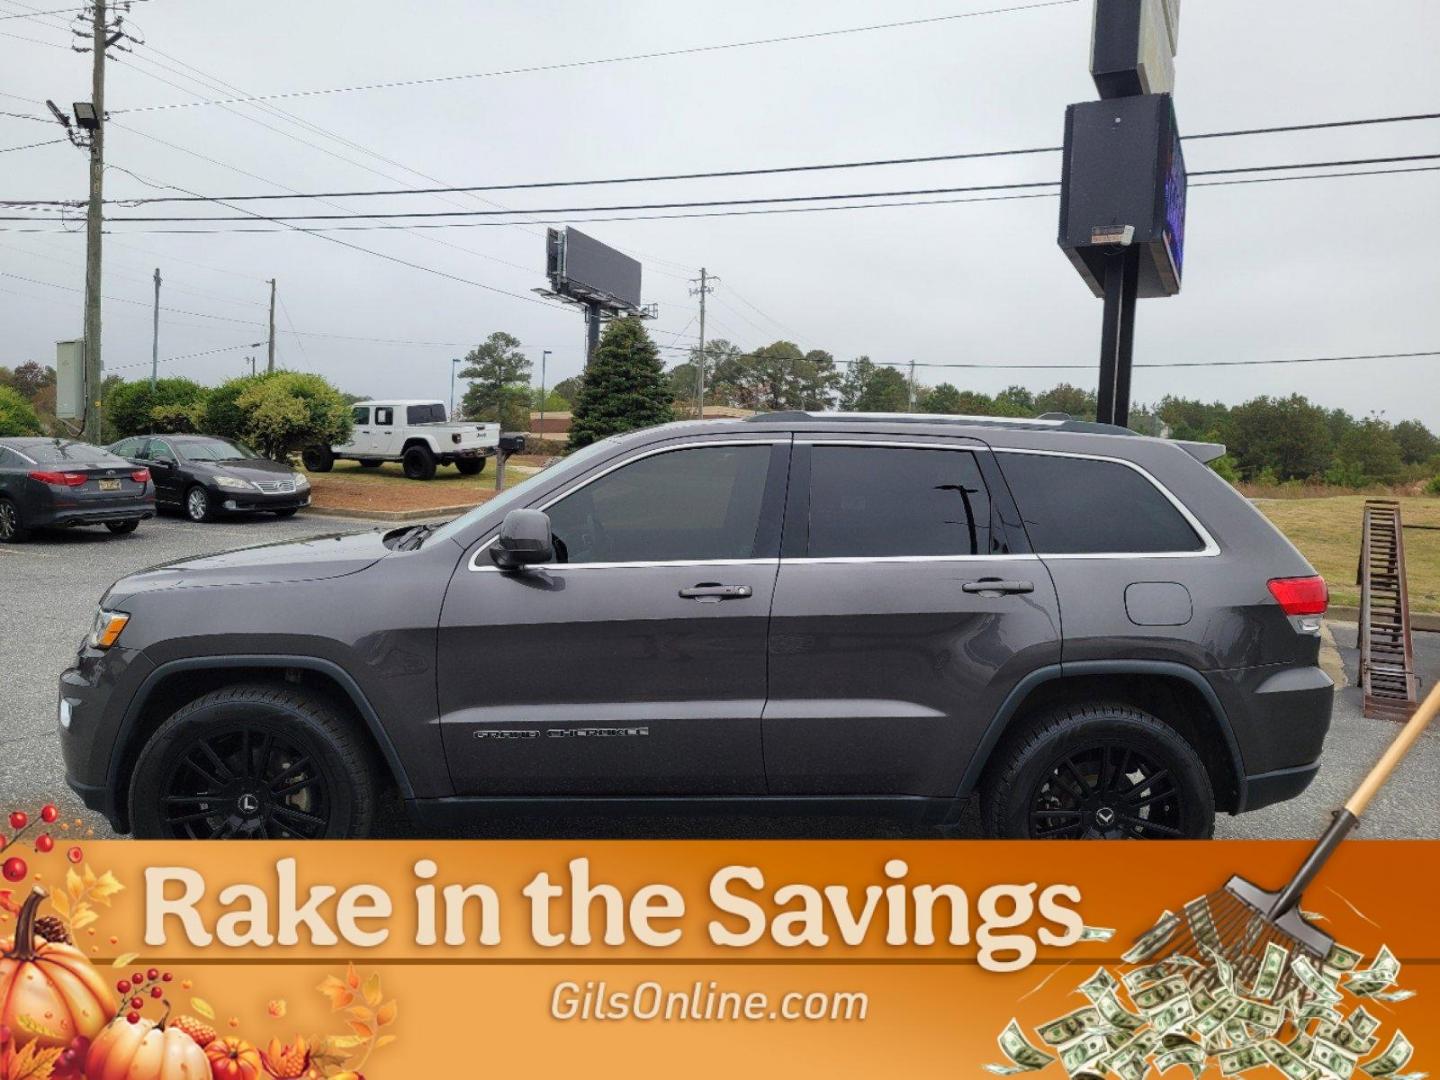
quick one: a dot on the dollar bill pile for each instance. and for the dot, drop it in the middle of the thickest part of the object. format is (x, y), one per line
(1195, 1012)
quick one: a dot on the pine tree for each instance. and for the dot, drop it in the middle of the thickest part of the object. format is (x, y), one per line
(624, 387)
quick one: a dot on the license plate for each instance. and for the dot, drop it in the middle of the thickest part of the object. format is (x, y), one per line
(109, 485)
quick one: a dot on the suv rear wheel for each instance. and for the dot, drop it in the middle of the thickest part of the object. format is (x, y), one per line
(317, 458)
(253, 761)
(1099, 771)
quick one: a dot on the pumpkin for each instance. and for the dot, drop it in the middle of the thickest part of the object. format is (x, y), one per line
(145, 1050)
(233, 1059)
(50, 985)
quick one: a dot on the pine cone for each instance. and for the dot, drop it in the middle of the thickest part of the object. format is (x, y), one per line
(52, 929)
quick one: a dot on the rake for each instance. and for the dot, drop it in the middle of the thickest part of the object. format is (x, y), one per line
(1238, 922)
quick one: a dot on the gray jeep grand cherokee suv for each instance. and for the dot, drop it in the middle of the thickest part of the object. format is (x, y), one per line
(1088, 629)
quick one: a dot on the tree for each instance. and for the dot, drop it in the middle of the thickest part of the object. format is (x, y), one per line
(569, 389)
(1288, 436)
(29, 379)
(869, 387)
(499, 374)
(1067, 399)
(1017, 397)
(223, 414)
(624, 387)
(289, 410)
(551, 403)
(944, 398)
(1367, 454)
(1191, 419)
(131, 406)
(16, 415)
(1417, 445)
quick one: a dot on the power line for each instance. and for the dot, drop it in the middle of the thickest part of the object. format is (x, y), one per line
(767, 170)
(571, 64)
(705, 203)
(38, 14)
(189, 356)
(31, 146)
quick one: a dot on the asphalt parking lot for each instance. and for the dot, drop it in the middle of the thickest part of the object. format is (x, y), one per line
(50, 586)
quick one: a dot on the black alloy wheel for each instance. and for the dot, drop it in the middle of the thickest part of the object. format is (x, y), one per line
(12, 530)
(1096, 771)
(255, 762)
(245, 784)
(1109, 791)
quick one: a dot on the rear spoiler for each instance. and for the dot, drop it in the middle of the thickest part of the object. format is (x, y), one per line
(1203, 452)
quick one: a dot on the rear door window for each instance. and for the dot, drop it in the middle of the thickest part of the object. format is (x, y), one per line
(384, 415)
(424, 414)
(1085, 506)
(360, 414)
(887, 502)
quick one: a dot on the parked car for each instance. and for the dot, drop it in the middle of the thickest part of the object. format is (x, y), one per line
(1088, 629)
(414, 433)
(61, 483)
(204, 476)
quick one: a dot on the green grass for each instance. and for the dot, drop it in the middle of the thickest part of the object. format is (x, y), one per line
(1327, 532)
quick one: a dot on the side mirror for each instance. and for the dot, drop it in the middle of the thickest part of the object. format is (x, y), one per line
(524, 539)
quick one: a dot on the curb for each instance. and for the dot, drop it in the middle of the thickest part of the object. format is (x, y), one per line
(389, 515)
(1426, 621)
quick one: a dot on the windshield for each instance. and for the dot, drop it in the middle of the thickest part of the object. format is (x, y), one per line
(68, 453)
(515, 496)
(214, 450)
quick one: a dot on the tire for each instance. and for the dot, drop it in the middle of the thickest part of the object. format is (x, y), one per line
(470, 466)
(120, 528)
(288, 512)
(12, 529)
(197, 505)
(317, 458)
(1099, 770)
(418, 463)
(370, 463)
(277, 797)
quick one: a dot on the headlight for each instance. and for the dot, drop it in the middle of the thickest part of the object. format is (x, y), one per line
(301, 481)
(234, 483)
(106, 630)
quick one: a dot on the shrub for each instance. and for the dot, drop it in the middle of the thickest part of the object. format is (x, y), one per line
(223, 415)
(1224, 466)
(130, 406)
(290, 410)
(17, 417)
(1433, 488)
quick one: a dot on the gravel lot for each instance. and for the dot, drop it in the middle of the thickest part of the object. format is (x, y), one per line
(50, 587)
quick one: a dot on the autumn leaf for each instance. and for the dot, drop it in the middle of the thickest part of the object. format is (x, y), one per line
(343, 1042)
(386, 1013)
(372, 989)
(105, 887)
(384, 1040)
(203, 1007)
(60, 902)
(35, 1027)
(360, 1012)
(352, 977)
(339, 994)
(84, 915)
(124, 959)
(33, 1063)
(365, 1031)
(88, 876)
(73, 884)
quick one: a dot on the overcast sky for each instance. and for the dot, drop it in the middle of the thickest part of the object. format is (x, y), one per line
(1299, 269)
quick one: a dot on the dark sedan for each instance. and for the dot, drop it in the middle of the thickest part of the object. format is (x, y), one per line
(58, 483)
(204, 476)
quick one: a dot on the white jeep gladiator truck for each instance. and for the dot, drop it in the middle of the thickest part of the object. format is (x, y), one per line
(414, 433)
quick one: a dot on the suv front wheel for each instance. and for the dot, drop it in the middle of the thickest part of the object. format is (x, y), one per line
(1100, 771)
(253, 761)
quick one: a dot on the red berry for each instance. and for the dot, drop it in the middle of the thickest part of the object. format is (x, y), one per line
(166, 977)
(152, 974)
(123, 986)
(44, 843)
(138, 978)
(49, 814)
(133, 1017)
(15, 869)
(75, 854)
(137, 1002)
(156, 992)
(19, 819)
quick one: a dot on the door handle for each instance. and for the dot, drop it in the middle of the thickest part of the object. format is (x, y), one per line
(710, 593)
(998, 587)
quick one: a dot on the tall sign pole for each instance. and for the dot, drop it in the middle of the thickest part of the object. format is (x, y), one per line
(703, 285)
(94, 220)
(270, 362)
(155, 339)
(1122, 188)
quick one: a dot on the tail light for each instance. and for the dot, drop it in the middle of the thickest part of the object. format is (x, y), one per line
(1301, 595)
(141, 476)
(60, 479)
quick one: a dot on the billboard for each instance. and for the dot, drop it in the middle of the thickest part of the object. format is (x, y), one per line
(70, 380)
(582, 268)
(1124, 167)
(1132, 46)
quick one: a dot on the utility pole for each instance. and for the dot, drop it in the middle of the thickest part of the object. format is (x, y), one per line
(544, 355)
(155, 340)
(270, 363)
(704, 285)
(94, 367)
(251, 361)
(910, 406)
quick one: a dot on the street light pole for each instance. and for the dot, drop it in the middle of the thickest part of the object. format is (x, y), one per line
(453, 361)
(544, 355)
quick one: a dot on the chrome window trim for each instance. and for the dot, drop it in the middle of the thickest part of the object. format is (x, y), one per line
(1210, 549)
(772, 441)
(994, 557)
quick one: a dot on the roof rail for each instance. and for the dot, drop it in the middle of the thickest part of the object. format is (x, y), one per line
(1050, 421)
